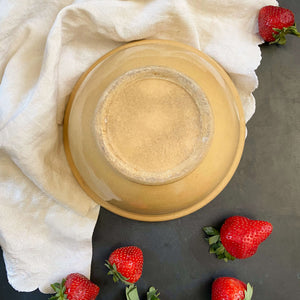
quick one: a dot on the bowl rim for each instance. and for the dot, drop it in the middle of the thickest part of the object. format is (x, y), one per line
(166, 216)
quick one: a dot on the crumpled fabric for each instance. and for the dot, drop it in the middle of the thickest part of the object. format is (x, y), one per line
(46, 220)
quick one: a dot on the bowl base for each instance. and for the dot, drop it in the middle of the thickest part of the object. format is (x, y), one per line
(154, 125)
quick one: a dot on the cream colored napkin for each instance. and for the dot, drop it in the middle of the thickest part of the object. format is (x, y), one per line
(46, 220)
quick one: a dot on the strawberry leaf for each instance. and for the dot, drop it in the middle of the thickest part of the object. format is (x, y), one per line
(279, 34)
(209, 230)
(59, 289)
(228, 256)
(131, 292)
(115, 274)
(152, 294)
(220, 250)
(248, 292)
(215, 245)
(213, 239)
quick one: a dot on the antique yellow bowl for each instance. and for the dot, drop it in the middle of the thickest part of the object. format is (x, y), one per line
(154, 130)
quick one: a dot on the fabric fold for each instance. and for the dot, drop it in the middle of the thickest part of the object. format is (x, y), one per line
(45, 46)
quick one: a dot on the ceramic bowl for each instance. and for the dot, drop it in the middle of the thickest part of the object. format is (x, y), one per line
(154, 130)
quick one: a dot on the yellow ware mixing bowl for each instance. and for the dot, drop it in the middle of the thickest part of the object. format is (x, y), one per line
(154, 130)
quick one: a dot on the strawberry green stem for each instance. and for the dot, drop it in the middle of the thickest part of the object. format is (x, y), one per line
(116, 275)
(131, 292)
(152, 294)
(59, 289)
(248, 292)
(280, 34)
(215, 245)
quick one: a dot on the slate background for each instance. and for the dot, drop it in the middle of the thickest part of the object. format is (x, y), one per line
(265, 186)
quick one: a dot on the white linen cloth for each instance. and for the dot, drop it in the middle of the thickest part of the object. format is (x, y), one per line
(46, 220)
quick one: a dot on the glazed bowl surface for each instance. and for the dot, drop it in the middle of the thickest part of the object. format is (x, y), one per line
(154, 130)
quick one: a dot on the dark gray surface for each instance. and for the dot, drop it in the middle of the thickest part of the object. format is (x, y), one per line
(265, 186)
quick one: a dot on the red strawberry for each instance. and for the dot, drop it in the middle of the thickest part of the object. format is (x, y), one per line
(228, 288)
(75, 287)
(126, 264)
(275, 22)
(239, 237)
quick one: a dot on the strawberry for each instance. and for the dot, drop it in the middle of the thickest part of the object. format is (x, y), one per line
(275, 22)
(228, 288)
(75, 287)
(239, 237)
(126, 264)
